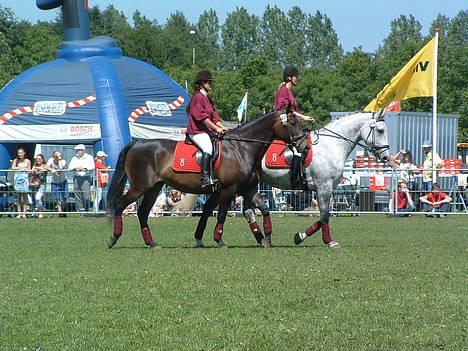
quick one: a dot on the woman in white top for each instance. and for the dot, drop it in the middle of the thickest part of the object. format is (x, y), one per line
(404, 160)
(21, 182)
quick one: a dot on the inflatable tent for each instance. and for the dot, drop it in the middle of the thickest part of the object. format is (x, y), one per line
(89, 94)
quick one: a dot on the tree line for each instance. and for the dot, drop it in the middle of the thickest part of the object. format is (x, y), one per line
(248, 52)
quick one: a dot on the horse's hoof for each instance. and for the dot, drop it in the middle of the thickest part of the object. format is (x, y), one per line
(266, 243)
(199, 244)
(298, 239)
(111, 241)
(333, 244)
(221, 245)
(154, 245)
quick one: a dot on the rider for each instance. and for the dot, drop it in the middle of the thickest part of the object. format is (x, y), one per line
(203, 121)
(284, 99)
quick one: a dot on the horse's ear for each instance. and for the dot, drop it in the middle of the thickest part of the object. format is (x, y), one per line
(381, 114)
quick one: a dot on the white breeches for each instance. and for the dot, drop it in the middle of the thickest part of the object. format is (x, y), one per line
(203, 142)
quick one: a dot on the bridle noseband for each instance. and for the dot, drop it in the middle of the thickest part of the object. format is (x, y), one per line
(374, 148)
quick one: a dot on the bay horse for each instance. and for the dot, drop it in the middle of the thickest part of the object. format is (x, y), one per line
(147, 166)
(334, 143)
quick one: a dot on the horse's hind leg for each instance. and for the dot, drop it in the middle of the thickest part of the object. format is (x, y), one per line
(267, 227)
(208, 208)
(131, 196)
(323, 195)
(143, 213)
(225, 199)
(253, 200)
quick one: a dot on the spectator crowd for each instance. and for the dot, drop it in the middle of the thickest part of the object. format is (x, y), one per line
(79, 185)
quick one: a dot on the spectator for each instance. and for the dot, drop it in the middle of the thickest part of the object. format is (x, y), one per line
(21, 181)
(401, 201)
(82, 164)
(403, 160)
(173, 198)
(38, 182)
(238, 203)
(102, 174)
(435, 202)
(59, 183)
(131, 209)
(159, 205)
(427, 171)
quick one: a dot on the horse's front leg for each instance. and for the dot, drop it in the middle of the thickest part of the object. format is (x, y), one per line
(323, 195)
(225, 198)
(249, 214)
(208, 208)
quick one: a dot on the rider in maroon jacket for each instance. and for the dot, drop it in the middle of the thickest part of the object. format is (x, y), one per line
(203, 120)
(284, 99)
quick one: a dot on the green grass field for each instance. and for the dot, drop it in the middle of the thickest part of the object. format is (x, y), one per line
(395, 284)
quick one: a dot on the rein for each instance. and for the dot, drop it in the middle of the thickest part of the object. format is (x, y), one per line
(376, 150)
(293, 141)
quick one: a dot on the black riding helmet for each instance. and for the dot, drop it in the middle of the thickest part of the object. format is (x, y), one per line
(204, 76)
(290, 71)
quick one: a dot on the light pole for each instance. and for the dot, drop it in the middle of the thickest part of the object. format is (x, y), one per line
(192, 32)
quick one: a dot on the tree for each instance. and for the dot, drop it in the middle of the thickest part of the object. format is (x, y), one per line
(207, 40)
(355, 77)
(322, 47)
(39, 45)
(295, 50)
(274, 34)
(144, 42)
(175, 36)
(240, 38)
(453, 72)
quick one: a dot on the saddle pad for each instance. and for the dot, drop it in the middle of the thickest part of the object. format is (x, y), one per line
(274, 157)
(185, 160)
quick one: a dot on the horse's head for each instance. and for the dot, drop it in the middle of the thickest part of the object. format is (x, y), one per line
(288, 127)
(374, 133)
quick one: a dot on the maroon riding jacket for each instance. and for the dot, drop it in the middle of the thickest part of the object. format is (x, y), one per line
(284, 98)
(199, 109)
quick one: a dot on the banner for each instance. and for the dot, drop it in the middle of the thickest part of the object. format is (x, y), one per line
(242, 107)
(414, 79)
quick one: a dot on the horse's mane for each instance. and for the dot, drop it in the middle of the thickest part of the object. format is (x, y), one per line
(340, 120)
(249, 124)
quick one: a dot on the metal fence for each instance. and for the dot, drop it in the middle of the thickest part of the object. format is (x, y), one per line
(362, 190)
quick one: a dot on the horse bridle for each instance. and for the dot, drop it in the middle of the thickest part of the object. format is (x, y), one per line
(377, 150)
(293, 141)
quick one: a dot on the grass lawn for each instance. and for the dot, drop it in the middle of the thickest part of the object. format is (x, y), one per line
(395, 284)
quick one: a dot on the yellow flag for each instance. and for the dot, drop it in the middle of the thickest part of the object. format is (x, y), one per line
(414, 79)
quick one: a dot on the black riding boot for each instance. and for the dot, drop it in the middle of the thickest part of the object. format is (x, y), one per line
(205, 164)
(296, 173)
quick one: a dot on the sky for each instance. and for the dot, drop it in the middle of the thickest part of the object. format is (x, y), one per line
(358, 23)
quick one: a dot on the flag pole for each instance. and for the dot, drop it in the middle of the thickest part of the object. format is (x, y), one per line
(246, 103)
(434, 106)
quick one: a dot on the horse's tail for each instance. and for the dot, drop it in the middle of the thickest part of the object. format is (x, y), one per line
(119, 179)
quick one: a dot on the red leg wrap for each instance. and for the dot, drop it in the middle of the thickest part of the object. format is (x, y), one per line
(326, 234)
(146, 232)
(313, 228)
(218, 232)
(118, 225)
(267, 225)
(255, 228)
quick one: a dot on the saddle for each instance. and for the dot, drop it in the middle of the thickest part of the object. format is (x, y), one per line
(187, 156)
(279, 155)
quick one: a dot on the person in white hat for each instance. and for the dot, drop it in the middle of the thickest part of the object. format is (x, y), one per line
(427, 165)
(82, 164)
(102, 174)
